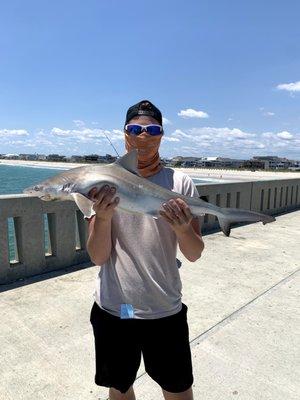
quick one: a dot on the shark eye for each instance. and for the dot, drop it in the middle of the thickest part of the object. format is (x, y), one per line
(36, 188)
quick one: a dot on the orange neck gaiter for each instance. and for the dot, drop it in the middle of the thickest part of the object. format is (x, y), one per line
(149, 162)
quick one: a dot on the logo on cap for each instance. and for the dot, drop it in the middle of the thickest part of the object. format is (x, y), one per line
(146, 112)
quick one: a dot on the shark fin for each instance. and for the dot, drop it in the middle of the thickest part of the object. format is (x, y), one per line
(224, 225)
(129, 161)
(83, 203)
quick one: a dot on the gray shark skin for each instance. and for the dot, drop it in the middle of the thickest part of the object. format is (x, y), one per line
(137, 194)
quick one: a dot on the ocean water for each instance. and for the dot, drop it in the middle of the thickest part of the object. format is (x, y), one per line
(13, 179)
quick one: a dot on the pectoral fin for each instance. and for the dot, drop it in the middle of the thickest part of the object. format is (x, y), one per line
(84, 204)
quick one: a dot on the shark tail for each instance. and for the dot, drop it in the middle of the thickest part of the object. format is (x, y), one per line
(231, 215)
(228, 216)
(225, 225)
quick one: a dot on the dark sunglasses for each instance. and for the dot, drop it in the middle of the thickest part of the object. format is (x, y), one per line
(135, 129)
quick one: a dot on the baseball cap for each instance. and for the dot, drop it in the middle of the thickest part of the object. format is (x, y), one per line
(144, 107)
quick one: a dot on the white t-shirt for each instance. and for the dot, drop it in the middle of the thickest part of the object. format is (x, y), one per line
(142, 271)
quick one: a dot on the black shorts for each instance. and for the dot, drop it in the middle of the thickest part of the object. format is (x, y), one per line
(164, 343)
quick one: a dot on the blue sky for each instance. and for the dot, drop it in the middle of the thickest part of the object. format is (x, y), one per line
(225, 74)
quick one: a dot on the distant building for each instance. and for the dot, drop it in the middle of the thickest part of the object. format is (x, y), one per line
(253, 164)
(165, 161)
(11, 156)
(91, 158)
(273, 162)
(56, 157)
(77, 159)
(41, 157)
(29, 157)
(206, 162)
(295, 166)
(108, 159)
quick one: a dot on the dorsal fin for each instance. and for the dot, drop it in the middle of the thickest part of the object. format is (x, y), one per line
(129, 161)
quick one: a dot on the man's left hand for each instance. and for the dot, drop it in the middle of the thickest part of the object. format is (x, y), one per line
(178, 214)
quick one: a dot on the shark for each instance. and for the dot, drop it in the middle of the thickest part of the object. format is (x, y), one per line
(137, 194)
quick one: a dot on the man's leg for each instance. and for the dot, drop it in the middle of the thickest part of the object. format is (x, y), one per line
(186, 395)
(115, 394)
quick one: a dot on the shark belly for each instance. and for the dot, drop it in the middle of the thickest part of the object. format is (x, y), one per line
(139, 203)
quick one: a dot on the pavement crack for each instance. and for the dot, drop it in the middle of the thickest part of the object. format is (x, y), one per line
(235, 313)
(231, 316)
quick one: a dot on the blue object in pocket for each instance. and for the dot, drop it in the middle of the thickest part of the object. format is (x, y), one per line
(127, 311)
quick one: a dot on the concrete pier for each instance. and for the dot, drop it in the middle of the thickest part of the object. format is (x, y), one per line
(67, 230)
(243, 312)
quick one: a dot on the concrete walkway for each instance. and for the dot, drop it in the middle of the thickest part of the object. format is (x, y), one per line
(243, 315)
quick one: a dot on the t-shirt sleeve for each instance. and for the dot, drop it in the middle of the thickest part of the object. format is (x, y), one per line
(190, 189)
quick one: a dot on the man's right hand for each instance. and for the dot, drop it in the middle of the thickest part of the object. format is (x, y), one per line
(104, 204)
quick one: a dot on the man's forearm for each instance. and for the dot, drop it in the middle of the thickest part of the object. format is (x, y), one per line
(190, 244)
(99, 240)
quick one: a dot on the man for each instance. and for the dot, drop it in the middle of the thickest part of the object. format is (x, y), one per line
(138, 308)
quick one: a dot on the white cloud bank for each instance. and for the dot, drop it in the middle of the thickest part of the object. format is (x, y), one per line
(13, 132)
(290, 87)
(197, 141)
(190, 113)
(234, 142)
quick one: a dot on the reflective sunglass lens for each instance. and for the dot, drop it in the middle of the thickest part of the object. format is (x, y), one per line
(153, 130)
(134, 129)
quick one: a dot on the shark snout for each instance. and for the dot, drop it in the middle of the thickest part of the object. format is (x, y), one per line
(34, 190)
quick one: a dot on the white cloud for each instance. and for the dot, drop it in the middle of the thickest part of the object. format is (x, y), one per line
(268, 135)
(290, 87)
(166, 121)
(78, 133)
(212, 132)
(171, 139)
(22, 142)
(190, 113)
(252, 144)
(266, 113)
(13, 132)
(116, 134)
(179, 133)
(61, 132)
(235, 142)
(78, 123)
(285, 135)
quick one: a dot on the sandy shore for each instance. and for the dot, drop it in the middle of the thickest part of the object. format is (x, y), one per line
(201, 173)
(41, 164)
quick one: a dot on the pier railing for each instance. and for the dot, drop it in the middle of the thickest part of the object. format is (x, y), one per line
(38, 236)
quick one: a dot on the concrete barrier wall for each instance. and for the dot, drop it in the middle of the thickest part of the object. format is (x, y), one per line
(30, 215)
(268, 197)
(65, 243)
